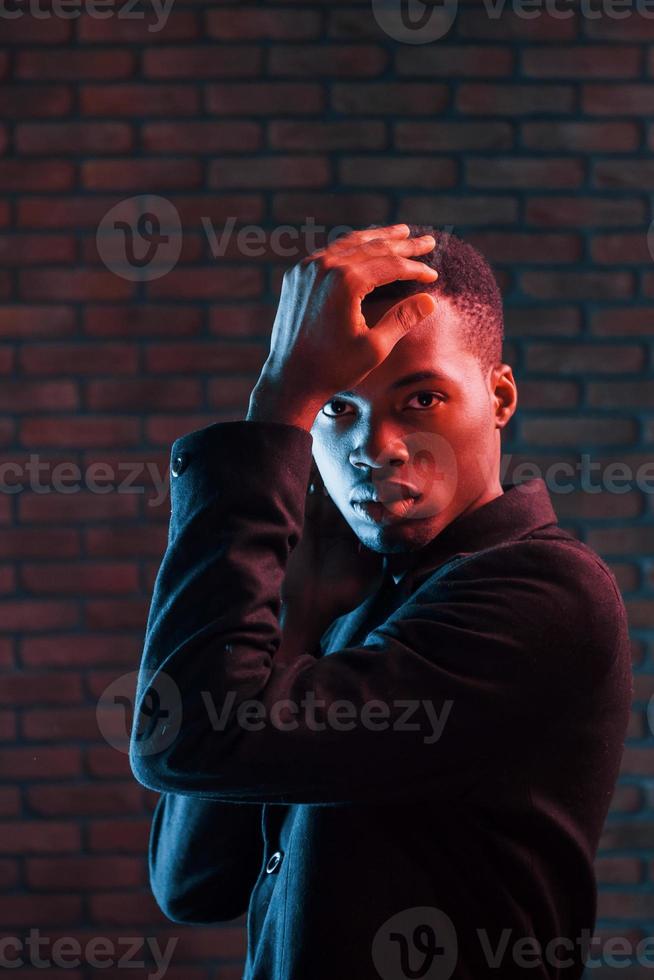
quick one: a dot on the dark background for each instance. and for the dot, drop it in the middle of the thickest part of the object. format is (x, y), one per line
(530, 138)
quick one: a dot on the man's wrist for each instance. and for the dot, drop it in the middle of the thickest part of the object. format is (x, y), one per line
(269, 403)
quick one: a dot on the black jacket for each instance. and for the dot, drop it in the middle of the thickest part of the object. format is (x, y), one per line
(453, 821)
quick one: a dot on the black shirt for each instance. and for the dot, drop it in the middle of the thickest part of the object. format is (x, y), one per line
(428, 800)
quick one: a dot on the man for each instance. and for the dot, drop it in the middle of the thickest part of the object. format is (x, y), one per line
(419, 790)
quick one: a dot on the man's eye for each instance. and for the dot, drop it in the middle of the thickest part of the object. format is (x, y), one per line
(336, 408)
(426, 396)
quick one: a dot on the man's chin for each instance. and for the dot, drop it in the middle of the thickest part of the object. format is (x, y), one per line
(394, 539)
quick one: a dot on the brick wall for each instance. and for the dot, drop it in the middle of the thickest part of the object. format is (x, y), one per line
(529, 136)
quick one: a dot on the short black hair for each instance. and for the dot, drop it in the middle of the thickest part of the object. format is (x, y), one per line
(468, 281)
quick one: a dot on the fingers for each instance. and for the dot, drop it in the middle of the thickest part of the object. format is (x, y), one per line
(360, 235)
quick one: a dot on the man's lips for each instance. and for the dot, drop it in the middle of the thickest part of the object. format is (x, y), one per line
(384, 493)
(382, 504)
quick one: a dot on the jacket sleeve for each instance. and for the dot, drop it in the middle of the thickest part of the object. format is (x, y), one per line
(432, 696)
(204, 857)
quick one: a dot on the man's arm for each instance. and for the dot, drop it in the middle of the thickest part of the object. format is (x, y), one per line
(204, 857)
(453, 674)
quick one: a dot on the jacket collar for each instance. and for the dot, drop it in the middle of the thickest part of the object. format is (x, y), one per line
(515, 513)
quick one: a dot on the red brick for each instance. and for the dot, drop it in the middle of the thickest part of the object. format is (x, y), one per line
(514, 99)
(582, 61)
(48, 910)
(599, 506)
(139, 100)
(629, 321)
(39, 762)
(35, 615)
(632, 28)
(632, 394)
(149, 28)
(84, 358)
(72, 137)
(162, 430)
(128, 835)
(73, 577)
(443, 136)
(218, 208)
(454, 61)
(548, 394)
(74, 284)
(37, 836)
(264, 98)
(63, 212)
(636, 174)
(86, 800)
(525, 247)
(80, 650)
(29, 175)
(103, 762)
(83, 873)
(25, 542)
(20, 101)
(573, 431)
(143, 394)
(209, 282)
(403, 98)
(123, 908)
(474, 22)
(517, 172)
(245, 320)
(79, 431)
(201, 137)
(73, 508)
(618, 870)
(206, 61)
(8, 874)
(618, 248)
(121, 542)
(351, 209)
(10, 801)
(212, 357)
(581, 211)
(541, 320)
(36, 249)
(74, 64)
(275, 171)
(585, 358)
(578, 285)
(143, 175)
(609, 100)
(342, 60)
(33, 30)
(613, 137)
(377, 171)
(116, 613)
(235, 24)
(32, 396)
(141, 320)
(231, 392)
(460, 209)
(284, 134)
(62, 724)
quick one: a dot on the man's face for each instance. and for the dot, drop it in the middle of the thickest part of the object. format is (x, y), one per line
(402, 458)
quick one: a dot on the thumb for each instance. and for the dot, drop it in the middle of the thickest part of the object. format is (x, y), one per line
(405, 315)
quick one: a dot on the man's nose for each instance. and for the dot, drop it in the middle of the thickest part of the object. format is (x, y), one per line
(377, 448)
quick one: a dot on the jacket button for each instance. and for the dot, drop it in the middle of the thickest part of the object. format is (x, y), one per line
(273, 862)
(178, 464)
